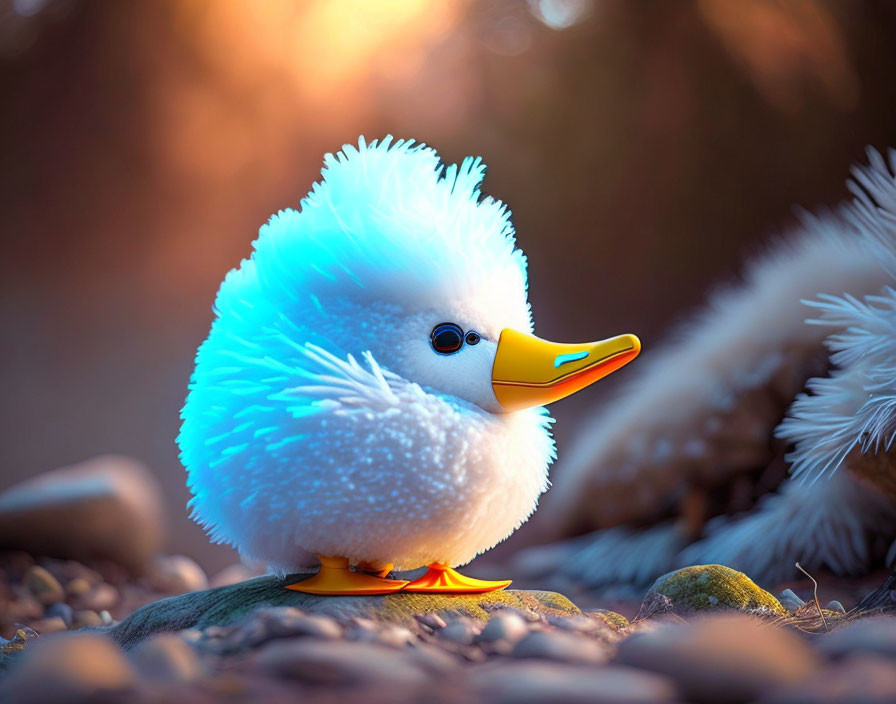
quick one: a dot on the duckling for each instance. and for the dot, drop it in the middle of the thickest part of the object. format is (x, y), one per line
(370, 396)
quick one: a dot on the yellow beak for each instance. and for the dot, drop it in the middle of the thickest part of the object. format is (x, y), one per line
(529, 371)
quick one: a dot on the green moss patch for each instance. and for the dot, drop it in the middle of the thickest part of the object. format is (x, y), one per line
(707, 588)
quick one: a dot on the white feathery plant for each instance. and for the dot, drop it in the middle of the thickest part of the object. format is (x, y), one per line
(829, 513)
(856, 404)
(823, 517)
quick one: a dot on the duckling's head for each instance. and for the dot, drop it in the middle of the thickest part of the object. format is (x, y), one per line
(394, 253)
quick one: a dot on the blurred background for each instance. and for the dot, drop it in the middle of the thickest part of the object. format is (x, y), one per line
(645, 149)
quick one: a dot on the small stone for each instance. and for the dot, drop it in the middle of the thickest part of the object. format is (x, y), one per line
(790, 601)
(43, 585)
(562, 647)
(275, 622)
(340, 663)
(874, 635)
(166, 657)
(508, 627)
(178, 574)
(432, 621)
(461, 631)
(70, 667)
(78, 587)
(286, 621)
(99, 598)
(85, 618)
(107, 618)
(722, 658)
(62, 610)
(190, 635)
(108, 508)
(386, 634)
(708, 588)
(436, 661)
(835, 606)
(536, 682)
(49, 624)
(583, 623)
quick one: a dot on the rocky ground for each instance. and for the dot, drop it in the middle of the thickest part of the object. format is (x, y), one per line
(82, 627)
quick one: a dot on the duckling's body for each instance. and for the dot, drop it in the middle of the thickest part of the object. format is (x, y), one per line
(409, 477)
(327, 417)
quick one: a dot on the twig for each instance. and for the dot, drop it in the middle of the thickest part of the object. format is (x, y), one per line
(815, 595)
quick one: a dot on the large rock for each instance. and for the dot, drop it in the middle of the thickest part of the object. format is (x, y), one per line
(228, 605)
(109, 507)
(708, 588)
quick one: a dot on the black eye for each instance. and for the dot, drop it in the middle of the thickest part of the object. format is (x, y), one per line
(473, 338)
(446, 338)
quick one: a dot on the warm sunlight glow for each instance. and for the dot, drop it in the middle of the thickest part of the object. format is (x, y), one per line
(325, 46)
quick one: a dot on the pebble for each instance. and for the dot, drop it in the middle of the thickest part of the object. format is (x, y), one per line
(178, 574)
(68, 668)
(86, 618)
(78, 587)
(864, 679)
(190, 635)
(835, 606)
(62, 610)
(431, 621)
(109, 507)
(340, 663)
(721, 658)
(43, 585)
(431, 658)
(584, 624)
(385, 634)
(790, 601)
(272, 623)
(98, 598)
(562, 647)
(460, 631)
(875, 634)
(508, 628)
(166, 657)
(534, 683)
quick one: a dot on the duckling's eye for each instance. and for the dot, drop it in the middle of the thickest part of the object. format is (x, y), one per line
(446, 338)
(472, 338)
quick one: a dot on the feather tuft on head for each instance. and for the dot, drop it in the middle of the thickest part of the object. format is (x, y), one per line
(389, 221)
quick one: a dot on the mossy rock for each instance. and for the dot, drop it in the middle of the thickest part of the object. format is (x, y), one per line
(708, 588)
(226, 606)
(616, 622)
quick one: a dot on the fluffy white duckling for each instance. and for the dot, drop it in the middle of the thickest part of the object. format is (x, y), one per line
(370, 393)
